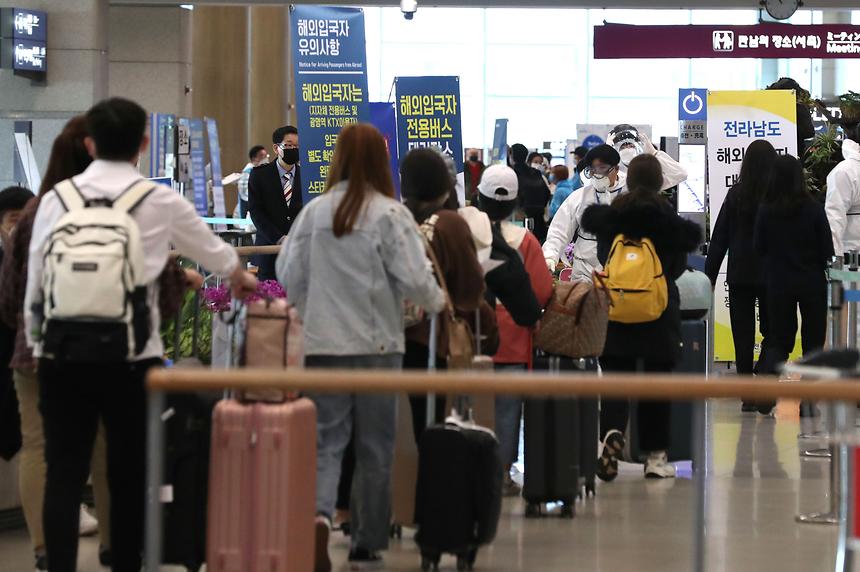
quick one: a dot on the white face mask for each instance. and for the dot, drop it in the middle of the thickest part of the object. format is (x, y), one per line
(628, 154)
(538, 166)
(601, 184)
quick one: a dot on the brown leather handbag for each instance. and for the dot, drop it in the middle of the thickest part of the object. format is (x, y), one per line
(274, 338)
(461, 344)
(575, 321)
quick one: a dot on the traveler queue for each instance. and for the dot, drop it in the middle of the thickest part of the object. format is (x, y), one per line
(355, 260)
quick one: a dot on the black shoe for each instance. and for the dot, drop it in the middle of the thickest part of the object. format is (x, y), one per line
(607, 464)
(766, 408)
(749, 407)
(105, 557)
(322, 529)
(41, 562)
(361, 559)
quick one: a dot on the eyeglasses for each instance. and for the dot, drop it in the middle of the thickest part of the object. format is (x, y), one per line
(598, 172)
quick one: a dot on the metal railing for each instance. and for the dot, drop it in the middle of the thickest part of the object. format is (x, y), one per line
(662, 387)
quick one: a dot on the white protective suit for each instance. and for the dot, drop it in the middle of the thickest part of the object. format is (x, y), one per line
(565, 227)
(843, 200)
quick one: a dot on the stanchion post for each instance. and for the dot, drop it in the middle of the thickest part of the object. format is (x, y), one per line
(431, 366)
(154, 476)
(700, 475)
(845, 419)
(851, 337)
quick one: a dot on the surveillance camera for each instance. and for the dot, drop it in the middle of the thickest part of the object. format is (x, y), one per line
(408, 7)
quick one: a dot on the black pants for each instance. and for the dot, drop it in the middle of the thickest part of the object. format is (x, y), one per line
(782, 312)
(653, 416)
(742, 311)
(416, 357)
(72, 399)
(541, 227)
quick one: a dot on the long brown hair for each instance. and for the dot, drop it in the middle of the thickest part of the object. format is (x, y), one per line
(644, 179)
(69, 156)
(360, 157)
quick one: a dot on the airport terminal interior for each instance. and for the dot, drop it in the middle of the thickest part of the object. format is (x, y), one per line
(569, 93)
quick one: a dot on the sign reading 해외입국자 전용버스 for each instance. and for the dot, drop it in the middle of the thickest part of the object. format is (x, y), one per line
(198, 166)
(330, 69)
(736, 119)
(384, 117)
(428, 115)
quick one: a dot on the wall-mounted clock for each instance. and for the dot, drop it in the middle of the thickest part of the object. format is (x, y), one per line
(781, 9)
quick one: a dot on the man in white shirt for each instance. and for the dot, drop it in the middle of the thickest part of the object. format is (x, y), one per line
(257, 156)
(75, 395)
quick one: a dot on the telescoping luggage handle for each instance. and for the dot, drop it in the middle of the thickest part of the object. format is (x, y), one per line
(431, 367)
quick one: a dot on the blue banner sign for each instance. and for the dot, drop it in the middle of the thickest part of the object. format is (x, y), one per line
(215, 162)
(499, 152)
(330, 68)
(198, 167)
(384, 117)
(428, 115)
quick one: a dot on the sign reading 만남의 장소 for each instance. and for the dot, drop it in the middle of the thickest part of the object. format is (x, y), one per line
(330, 69)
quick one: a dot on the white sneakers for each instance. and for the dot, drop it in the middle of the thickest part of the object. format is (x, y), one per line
(88, 524)
(658, 467)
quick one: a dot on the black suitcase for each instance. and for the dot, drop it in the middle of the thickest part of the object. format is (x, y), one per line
(458, 494)
(694, 359)
(560, 443)
(188, 423)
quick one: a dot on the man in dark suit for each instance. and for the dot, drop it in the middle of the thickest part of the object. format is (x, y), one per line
(275, 196)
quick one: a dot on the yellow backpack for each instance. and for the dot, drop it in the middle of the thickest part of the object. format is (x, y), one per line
(637, 286)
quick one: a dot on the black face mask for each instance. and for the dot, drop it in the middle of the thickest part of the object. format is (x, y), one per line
(473, 158)
(291, 156)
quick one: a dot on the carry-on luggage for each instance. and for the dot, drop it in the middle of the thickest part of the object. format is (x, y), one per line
(694, 359)
(459, 492)
(188, 421)
(560, 442)
(262, 487)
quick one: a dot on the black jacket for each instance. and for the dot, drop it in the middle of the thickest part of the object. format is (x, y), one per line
(267, 205)
(673, 237)
(733, 234)
(533, 192)
(511, 284)
(795, 246)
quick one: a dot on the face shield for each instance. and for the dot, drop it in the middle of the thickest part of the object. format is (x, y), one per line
(625, 139)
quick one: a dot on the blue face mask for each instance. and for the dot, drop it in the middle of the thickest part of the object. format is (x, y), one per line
(552, 178)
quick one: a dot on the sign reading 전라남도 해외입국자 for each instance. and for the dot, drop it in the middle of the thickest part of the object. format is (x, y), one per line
(330, 72)
(736, 119)
(768, 40)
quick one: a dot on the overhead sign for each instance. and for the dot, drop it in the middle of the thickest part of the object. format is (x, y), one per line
(330, 68)
(428, 115)
(736, 119)
(23, 39)
(766, 40)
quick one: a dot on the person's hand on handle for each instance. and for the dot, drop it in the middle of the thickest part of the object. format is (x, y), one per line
(193, 279)
(242, 283)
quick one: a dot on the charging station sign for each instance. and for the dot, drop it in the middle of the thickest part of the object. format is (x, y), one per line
(692, 116)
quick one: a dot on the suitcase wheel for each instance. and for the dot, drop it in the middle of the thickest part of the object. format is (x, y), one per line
(464, 562)
(345, 528)
(590, 489)
(567, 511)
(396, 531)
(533, 510)
(430, 561)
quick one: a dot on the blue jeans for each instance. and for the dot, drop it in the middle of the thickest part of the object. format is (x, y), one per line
(509, 412)
(373, 418)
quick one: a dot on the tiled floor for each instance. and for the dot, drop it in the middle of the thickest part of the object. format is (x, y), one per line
(757, 483)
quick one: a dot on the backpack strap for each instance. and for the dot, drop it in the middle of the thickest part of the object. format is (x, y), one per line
(70, 196)
(131, 198)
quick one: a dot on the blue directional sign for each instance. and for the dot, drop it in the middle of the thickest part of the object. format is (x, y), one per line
(692, 104)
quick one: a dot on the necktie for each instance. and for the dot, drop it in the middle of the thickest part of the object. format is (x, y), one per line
(288, 187)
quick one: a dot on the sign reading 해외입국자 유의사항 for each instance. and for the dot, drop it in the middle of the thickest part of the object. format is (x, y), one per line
(736, 119)
(330, 69)
(428, 115)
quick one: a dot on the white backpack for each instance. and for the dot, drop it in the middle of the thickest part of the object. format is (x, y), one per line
(95, 300)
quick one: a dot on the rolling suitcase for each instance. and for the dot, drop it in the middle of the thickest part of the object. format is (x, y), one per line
(188, 420)
(459, 492)
(694, 359)
(560, 438)
(262, 487)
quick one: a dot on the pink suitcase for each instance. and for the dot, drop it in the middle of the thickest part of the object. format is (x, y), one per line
(262, 487)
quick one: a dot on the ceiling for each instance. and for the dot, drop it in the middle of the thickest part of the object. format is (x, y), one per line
(649, 4)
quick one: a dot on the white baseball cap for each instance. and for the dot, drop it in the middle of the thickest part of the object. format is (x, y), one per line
(499, 182)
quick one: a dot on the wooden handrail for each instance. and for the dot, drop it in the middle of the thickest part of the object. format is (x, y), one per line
(245, 251)
(646, 386)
